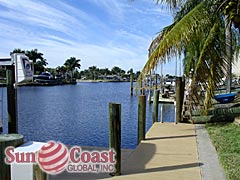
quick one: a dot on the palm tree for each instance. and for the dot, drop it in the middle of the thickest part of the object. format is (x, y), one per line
(61, 72)
(198, 31)
(35, 56)
(104, 71)
(93, 70)
(72, 64)
(231, 10)
(17, 50)
(117, 71)
(39, 65)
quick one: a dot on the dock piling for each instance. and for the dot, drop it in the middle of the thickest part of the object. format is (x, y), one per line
(115, 134)
(141, 87)
(179, 99)
(155, 106)
(131, 84)
(7, 140)
(11, 101)
(141, 117)
(156, 81)
(182, 93)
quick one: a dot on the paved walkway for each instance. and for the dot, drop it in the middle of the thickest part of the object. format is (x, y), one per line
(170, 152)
(211, 168)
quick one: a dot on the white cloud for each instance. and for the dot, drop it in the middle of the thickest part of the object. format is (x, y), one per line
(39, 15)
(60, 30)
(114, 8)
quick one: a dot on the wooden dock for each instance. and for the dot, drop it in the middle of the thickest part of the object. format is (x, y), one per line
(168, 153)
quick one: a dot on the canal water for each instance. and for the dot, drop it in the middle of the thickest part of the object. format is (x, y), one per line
(78, 114)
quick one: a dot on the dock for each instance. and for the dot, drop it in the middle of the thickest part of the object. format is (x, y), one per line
(169, 152)
(165, 100)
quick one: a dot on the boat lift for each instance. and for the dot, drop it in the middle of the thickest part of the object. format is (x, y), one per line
(18, 69)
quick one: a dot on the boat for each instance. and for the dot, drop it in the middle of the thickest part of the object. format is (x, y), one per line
(225, 98)
(44, 77)
(47, 79)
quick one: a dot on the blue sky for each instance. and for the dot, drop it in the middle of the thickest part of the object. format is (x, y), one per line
(104, 33)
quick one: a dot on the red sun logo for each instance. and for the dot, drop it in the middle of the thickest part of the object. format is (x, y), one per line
(53, 157)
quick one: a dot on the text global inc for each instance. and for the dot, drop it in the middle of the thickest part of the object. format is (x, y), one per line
(55, 157)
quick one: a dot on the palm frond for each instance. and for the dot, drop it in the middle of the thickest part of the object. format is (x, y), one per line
(185, 9)
(211, 65)
(181, 33)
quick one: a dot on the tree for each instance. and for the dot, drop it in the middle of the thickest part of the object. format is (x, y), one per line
(61, 71)
(37, 57)
(17, 51)
(117, 71)
(130, 71)
(38, 61)
(39, 65)
(52, 71)
(72, 64)
(104, 71)
(93, 70)
(138, 73)
(198, 31)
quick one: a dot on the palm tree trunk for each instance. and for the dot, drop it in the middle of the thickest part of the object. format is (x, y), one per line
(209, 91)
(176, 63)
(228, 33)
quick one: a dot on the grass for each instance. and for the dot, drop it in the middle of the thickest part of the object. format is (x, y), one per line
(226, 139)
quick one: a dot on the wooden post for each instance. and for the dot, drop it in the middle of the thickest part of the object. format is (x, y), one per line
(141, 117)
(155, 106)
(11, 101)
(150, 89)
(142, 90)
(178, 99)
(5, 141)
(131, 84)
(151, 83)
(182, 95)
(156, 81)
(144, 86)
(115, 134)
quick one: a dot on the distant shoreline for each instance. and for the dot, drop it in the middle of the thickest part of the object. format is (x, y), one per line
(57, 83)
(99, 80)
(64, 83)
